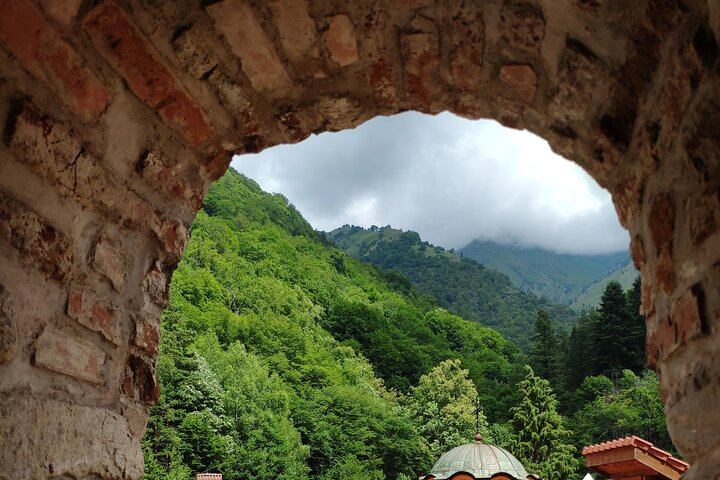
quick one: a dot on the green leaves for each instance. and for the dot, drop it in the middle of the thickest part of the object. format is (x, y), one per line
(443, 405)
(541, 441)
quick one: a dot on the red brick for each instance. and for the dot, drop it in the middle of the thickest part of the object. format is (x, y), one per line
(147, 334)
(109, 260)
(238, 24)
(340, 40)
(39, 243)
(69, 355)
(422, 58)
(42, 51)
(683, 325)
(94, 312)
(381, 79)
(132, 56)
(662, 220)
(704, 218)
(522, 79)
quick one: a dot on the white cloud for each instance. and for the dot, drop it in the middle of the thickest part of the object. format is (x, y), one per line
(450, 179)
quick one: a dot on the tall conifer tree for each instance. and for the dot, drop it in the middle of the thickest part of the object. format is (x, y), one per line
(614, 349)
(636, 328)
(545, 349)
(541, 440)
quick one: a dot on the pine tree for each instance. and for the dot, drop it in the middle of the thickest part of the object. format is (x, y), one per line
(545, 349)
(541, 440)
(636, 327)
(613, 347)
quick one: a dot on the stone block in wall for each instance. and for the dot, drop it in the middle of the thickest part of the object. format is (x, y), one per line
(661, 221)
(95, 311)
(109, 259)
(247, 39)
(139, 382)
(8, 330)
(147, 333)
(55, 152)
(340, 113)
(468, 41)
(340, 40)
(70, 355)
(522, 26)
(381, 77)
(38, 242)
(155, 284)
(704, 218)
(298, 34)
(49, 147)
(522, 79)
(420, 50)
(667, 335)
(44, 438)
(579, 75)
(166, 177)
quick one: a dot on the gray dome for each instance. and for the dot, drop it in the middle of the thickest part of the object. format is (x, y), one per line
(479, 460)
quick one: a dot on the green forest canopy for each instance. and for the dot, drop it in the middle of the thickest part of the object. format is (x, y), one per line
(281, 356)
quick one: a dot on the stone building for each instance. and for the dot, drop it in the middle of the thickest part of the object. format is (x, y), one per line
(117, 115)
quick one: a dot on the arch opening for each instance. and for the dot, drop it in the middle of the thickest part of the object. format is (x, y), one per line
(116, 118)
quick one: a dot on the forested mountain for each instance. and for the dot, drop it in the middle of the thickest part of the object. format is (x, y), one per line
(459, 284)
(282, 357)
(592, 295)
(561, 278)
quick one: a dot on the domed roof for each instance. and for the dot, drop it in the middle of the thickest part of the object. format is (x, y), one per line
(479, 460)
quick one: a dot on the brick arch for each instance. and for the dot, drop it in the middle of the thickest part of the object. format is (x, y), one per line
(116, 116)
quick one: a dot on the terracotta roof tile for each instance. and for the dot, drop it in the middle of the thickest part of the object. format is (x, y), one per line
(641, 444)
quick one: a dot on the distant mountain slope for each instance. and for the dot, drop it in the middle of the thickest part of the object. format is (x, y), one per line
(458, 284)
(559, 277)
(591, 296)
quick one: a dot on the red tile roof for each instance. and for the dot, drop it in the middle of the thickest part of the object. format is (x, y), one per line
(637, 442)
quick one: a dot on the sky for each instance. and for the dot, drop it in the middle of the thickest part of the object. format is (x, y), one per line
(449, 179)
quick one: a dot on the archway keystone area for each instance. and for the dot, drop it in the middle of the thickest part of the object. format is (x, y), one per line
(116, 117)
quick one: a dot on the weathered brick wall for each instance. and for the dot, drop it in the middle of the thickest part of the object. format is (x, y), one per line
(116, 116)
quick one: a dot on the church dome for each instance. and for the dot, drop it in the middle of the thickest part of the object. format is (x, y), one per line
(479, 460)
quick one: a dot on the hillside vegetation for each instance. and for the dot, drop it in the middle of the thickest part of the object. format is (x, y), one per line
(562, 278)
(283, 357)
(456, 283)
